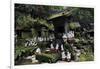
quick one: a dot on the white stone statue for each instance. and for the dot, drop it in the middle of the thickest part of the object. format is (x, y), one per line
(57, 46)
(28, 57)
(51, 46)
(68, 56)
(70, 34)
(34, 59)
(30, 42)
(38, 50)
(63, 55)
(64, 37)
(78, 52)
(62, 48)
(34, 43)
(26, 44)
(40, 39)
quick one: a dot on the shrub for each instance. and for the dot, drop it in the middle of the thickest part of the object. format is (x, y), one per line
(86, 57)
(20, 50)
(50, 58)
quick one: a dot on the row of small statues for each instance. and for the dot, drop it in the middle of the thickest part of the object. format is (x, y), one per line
(64, 55)
(32, 42)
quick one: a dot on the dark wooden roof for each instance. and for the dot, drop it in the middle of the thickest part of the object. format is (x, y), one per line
(63, 13)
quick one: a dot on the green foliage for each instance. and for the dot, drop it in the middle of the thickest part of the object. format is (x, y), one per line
(20, 42)
(84, 15)
(20, 50)
(34, 32)
(34, 17)
(44, 23)
(78, 35)
(86, 57)
(50, 58)
(68, 47)
(27, 22)
(24, 21)
(73, 25)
